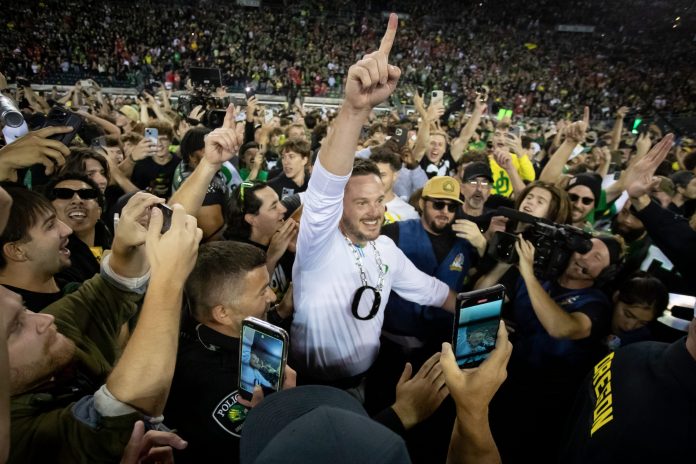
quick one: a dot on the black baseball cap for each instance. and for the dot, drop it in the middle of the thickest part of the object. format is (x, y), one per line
(317, 423)
(477, 169)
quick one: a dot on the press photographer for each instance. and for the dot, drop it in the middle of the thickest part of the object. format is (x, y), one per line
(554, 243)
(206, 97)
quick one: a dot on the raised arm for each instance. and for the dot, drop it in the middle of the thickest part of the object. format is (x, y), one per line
(472, 391)
(110, 128)
(618, 128)
(574, 134)
(220, 145)
(423, 134)
(370, 81)
(128, 258)
(142, 377)
(460, 143)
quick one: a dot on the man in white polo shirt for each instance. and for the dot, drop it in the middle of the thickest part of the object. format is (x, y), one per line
(344, 270)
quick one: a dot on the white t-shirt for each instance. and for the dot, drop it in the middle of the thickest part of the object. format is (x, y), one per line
(399, 210)
(327, 341)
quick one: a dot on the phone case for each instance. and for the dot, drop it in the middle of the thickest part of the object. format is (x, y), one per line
(474, 338)
(268, 367)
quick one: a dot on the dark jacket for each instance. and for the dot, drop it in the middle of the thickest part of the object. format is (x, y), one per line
(672, 234)
(44, 426)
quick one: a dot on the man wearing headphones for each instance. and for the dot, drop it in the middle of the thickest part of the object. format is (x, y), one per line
(558, 327)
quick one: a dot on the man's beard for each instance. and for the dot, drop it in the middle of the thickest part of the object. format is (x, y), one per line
(24, 378)
(353, 230)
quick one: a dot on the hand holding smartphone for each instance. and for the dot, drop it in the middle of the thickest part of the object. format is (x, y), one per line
(476, 325)
(263, 354)
(166, 215)
(437, 97)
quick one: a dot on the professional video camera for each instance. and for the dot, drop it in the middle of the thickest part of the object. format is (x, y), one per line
(554, 243)
(204, 82)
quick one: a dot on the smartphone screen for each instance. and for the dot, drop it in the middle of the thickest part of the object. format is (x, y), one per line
(476, 325)
(263, 353)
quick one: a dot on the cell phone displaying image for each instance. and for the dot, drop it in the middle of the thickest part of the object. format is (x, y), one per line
(152, 135)
(262, 357)
(476, 325)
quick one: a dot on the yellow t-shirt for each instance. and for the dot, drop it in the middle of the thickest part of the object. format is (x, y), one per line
(501, 180)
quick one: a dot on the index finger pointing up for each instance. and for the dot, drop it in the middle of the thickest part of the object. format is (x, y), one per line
(388, 39)
(586, 116)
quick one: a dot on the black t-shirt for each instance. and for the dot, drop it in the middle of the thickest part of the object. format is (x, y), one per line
(636, 405)
(155, 178)
(35, 301)
(285, 186)
(443, 168)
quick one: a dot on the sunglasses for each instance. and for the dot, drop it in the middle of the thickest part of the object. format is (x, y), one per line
(63, 193)
(585, 200)
(440, 205)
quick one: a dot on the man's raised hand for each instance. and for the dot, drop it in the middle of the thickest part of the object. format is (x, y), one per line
(372, 79)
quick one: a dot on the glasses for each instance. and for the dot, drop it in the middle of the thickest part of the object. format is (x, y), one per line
(585, 200)
(482, 183)
(63, 193)
(440, 205)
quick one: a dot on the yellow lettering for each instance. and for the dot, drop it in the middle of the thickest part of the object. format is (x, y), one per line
(603, 402)
(603, 420)
(603, 365)
(600, 383)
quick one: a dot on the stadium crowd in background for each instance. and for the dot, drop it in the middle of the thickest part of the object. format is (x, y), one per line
(550, 163)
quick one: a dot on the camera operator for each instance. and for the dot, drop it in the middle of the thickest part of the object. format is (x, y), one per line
(558, 329)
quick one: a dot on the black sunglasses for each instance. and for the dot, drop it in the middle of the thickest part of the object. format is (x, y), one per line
(440, 205)
(585, 200)
(63, 193)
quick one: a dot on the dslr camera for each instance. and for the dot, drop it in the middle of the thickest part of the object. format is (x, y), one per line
(554, 244)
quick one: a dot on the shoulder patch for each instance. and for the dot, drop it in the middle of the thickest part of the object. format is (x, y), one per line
(230, 414)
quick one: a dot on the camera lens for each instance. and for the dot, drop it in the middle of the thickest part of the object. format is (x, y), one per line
(9, 113)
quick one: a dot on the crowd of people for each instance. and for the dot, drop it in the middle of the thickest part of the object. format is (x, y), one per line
(136, 239)
(514, 49)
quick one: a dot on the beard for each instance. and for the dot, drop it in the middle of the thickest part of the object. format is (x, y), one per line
(352, 229)
(56, 357)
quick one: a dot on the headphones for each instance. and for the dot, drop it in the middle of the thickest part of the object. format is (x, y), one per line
(608, 274)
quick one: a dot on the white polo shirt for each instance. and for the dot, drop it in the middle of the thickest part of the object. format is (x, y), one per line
(328, 342)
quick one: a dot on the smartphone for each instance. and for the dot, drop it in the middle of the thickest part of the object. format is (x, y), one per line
(60, 116)
(263, 354)
(167, 215)
(268, 116)
(152, 135)
(400, 137)
(437, 96)
(249, 92)
(476, 325)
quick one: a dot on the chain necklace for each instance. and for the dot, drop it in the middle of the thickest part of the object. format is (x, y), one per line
(363, 279)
